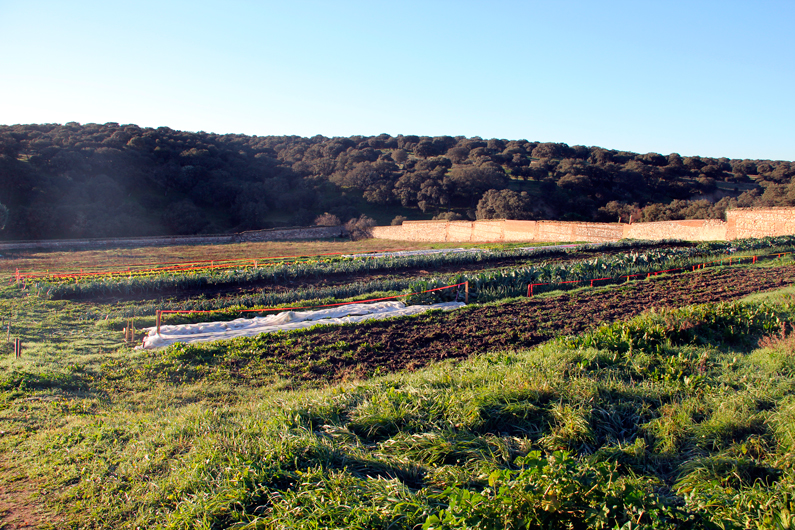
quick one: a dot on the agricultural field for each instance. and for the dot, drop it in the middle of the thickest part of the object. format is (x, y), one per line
(635, 385)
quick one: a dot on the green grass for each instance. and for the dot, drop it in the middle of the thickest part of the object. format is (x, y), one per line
(675, 419)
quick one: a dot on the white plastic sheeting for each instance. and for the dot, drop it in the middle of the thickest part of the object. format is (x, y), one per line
(425, 252)
(284, 321)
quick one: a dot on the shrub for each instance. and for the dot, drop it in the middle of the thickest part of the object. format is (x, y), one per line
(361, 228)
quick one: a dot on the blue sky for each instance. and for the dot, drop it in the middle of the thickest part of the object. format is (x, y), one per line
(697, 78)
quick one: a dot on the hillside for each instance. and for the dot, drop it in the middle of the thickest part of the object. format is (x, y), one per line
(72, 180)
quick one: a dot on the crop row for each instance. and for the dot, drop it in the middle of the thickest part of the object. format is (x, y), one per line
(483, 286)
(487, 286)
(284, 273)
(187, 269)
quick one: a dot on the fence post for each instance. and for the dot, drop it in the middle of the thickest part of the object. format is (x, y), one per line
(754, 259)
(529, 290)
(466, 292)
(157, 321)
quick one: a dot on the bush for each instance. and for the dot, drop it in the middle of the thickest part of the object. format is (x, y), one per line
(448, 216)
(327, 219)
(361, 228)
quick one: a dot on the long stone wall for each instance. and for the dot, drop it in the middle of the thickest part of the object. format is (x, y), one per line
(740, 223)
(313, 232)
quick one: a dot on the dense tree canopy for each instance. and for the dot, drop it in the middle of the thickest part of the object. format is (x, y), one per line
(96, 180)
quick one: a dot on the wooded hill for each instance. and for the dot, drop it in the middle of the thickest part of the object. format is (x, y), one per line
(73, 181)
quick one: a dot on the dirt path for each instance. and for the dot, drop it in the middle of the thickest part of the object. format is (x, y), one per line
(415, 342)
(19, 507)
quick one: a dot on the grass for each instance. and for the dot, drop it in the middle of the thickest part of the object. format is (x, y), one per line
(675, 419)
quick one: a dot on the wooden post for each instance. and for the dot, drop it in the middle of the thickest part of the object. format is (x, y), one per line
(8, 337)
(157, 322)
(466, 292)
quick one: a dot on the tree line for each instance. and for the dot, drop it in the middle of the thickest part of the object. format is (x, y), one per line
(92, 180)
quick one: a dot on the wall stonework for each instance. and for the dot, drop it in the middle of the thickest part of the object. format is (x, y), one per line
(490, 230)
(761, 222)
(691, 230)
(520, 230)
(740, 223)
(577, 231)
(459, 231)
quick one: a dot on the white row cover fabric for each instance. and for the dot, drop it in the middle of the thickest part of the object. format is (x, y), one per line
(425, 252)
(284, 321)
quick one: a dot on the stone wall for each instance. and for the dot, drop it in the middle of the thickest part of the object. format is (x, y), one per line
(576, 231)
(517, 231)
(740, 223)
(759, 222)
(459, 231)
(488, 230)
(499, 230)
(690, 230)
(314, 232)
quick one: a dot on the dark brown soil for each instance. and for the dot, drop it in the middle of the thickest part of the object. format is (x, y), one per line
(414, 342)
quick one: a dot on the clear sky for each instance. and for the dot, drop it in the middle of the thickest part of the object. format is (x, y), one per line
(694, 77)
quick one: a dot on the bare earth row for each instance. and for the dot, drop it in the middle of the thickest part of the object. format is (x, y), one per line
(352, 352)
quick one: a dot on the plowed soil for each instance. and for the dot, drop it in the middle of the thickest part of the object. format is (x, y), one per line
(411, 343)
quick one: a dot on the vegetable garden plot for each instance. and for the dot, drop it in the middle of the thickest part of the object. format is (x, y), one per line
(174, 282)
(405, 344)
(284, 321)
